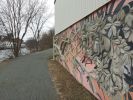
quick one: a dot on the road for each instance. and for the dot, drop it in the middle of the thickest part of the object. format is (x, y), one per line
(27, 78)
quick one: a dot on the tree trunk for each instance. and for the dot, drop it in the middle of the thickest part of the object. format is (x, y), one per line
(16, 50)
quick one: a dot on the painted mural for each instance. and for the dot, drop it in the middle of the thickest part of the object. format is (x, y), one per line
(98, 51)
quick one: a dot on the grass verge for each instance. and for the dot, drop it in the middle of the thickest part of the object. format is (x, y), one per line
(66, 85)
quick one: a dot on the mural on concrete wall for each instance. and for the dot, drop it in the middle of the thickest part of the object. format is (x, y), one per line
(98, 51)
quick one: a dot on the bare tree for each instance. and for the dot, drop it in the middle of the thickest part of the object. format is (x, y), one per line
(38, 24)
(46, 40)
(16, 17)
(31, 44)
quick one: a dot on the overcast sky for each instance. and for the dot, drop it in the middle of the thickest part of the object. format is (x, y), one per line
(50, 22)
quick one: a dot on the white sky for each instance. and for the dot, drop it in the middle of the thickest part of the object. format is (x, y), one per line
(50, 22)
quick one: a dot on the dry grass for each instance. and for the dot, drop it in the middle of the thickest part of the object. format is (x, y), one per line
(67, 87)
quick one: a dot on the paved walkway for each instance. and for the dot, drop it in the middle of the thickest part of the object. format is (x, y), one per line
(27, 78)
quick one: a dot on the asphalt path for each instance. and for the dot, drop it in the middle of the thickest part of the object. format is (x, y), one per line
(27, 78)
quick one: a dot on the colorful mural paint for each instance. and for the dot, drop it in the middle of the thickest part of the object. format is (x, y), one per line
(98, 51)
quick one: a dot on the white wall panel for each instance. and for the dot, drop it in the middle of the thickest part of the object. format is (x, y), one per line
(68, 12)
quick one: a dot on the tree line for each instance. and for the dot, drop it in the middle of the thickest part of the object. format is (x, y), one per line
(45, 42)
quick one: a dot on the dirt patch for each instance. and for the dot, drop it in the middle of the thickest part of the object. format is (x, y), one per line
(67, 87)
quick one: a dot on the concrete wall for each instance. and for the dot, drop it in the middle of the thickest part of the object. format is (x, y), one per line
(98, 51)
(71, 11)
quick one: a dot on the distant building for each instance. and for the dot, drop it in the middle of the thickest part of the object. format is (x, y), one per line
(6, 42)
